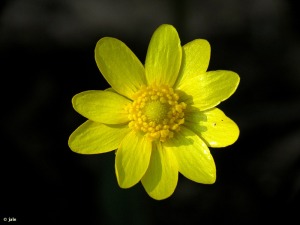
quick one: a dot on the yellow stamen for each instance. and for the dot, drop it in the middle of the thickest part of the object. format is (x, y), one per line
(156, 112)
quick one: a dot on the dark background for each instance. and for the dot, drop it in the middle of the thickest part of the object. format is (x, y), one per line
(47, 56)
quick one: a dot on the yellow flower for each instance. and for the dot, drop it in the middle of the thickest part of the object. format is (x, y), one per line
(160, 117)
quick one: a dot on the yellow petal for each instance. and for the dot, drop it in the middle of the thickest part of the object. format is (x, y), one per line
(195, 60)
(208, 89)
(163, 56)
(119, 66)
(193, 156)
(161, 177)
(102, 106)
(94, 138)
(132, 159)
(213, 126)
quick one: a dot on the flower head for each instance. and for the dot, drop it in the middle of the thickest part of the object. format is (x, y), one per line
(160, 117)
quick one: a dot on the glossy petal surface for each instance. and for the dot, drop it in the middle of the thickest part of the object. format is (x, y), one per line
(102, 106)
(119, 65)
(214, 127)
(161, 177)
(209, 89)
(193, 156)
(195, 60)
(163, 56)
(94, 138)
(132, 159)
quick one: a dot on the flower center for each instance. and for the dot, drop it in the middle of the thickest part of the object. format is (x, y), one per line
(156, 112)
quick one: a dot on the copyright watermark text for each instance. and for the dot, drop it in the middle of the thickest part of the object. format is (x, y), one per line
(9, 219)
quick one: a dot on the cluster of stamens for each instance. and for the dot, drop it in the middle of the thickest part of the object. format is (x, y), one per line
(156, 112)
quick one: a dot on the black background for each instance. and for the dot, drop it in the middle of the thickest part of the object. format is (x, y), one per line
(47, 56)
